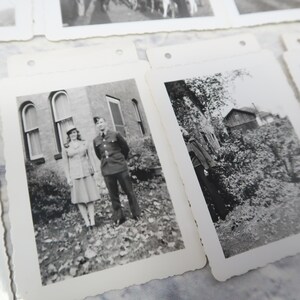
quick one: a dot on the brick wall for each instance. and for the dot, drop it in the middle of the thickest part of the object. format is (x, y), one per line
(85, 102)
(125, 91)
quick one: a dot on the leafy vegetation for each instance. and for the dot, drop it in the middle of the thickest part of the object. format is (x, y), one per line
(49, 193)
(143, 160)
(67, 249)
(257, 171)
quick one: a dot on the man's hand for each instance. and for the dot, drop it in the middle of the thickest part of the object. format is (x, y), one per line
(206, 173)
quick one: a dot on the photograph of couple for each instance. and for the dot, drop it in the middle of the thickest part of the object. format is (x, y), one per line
(112, 150)
(96, 188)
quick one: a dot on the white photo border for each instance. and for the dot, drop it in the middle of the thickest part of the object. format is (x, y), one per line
(222, 268)
(24, 249)
(258, 18)
(56, 31)
(23, 28)
(292, 59)
(5, 288)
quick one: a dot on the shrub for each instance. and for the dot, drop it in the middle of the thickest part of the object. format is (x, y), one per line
(254, 165)
(49, 193)
(143, 159)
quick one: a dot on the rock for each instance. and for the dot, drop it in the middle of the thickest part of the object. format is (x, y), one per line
(151, 220)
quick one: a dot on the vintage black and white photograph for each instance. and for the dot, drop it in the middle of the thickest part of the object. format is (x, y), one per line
(7, 13)
(97, 191)
(66, 19)
(256, 6)
(91, 12)
(245, 154)
(15, 20)
(246, 13)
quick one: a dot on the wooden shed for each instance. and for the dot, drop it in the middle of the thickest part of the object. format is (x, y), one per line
(238, 119)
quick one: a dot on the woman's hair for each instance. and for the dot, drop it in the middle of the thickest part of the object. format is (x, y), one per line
(66, 145)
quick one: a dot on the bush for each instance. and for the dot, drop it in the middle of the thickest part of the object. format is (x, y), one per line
(143, 159)
(49, 193)
(254, 165)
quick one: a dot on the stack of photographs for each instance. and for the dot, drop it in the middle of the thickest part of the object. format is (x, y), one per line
(213, 157)
(69, 19)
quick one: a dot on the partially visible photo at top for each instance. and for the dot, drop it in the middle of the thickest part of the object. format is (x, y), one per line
(7, 13)
(91, 12)
(256, 6)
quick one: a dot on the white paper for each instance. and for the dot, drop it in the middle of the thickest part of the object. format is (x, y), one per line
(23, 238)
(291, 40)
(257, 12)
(185, 54)
(16, 20)
(292, 59)
(257, 82)
(211, 16)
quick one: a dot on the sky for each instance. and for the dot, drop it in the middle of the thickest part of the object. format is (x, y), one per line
(265, 91)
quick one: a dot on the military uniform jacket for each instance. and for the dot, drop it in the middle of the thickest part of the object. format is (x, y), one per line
(112, 150)
(199, 155)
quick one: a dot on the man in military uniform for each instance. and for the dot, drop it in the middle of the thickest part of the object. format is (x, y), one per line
(112, 150)
(203, 162)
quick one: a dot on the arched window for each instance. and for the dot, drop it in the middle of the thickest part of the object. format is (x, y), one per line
(62, 116)
(138, 116)
(116, 114)
(31, 132)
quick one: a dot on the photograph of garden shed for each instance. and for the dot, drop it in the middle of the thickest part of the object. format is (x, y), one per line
(246, 118)
(66, 247)
(245, 153)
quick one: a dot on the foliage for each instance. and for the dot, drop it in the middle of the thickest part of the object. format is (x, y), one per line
(143, 159)
(259, 169)
(248, 226)
(212, 90)
(187, 107)
(254, 166)
(199, 99)
(49, 193)
(67, 249)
